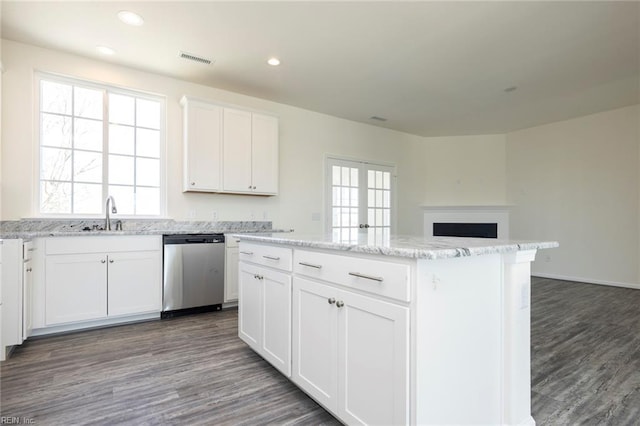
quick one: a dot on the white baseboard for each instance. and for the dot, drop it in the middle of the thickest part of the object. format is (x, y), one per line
(587, 280)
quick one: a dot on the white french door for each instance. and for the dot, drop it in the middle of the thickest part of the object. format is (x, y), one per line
(360, 197)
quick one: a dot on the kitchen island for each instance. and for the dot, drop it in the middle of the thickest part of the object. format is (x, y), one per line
(404, 330)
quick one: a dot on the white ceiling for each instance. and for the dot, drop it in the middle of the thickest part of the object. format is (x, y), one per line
(430, 68)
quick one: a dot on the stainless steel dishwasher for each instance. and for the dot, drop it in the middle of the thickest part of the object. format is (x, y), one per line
(193, 273)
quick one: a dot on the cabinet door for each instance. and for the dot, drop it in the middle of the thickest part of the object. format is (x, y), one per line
(76, 288)
(373, 340)
(237, 151)
(134, 283)
(231, 275)
(264, 146)
(249, 306)
(202, 146)
(315, 354)
(276, 319)
(27, 299)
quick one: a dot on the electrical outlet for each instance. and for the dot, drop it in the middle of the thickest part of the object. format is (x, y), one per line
(191, 214)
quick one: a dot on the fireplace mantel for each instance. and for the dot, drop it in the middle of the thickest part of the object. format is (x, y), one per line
(496, 213)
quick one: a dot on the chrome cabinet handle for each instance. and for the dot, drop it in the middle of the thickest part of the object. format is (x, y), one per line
(271, 257)
(331, 300)
(193, 183)
(29, 269)
(103, 261)
(310, 265)
(248, 253)
(110, 260)
(254, 187)
(339, 303)
(258, 277)
(368, 277)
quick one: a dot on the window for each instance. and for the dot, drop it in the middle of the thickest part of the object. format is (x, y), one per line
(97, 141)
(360, 198)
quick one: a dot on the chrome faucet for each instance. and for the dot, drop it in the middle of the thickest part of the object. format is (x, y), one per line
(107, 220)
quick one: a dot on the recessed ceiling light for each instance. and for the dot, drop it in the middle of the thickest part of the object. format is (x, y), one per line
(377, 118)
(274, 62)
(511, 89)
(130, 18)
(105, 50)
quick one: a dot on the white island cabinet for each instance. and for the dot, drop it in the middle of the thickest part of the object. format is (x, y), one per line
(400, 331)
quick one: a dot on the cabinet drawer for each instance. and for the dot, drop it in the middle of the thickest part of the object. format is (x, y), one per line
(275, 257)
(91, 244)
(371, 275)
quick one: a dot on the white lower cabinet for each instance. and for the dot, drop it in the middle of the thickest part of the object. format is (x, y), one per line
(351, 352)
(98, 278)
(264, 313)
(133, 283)
(76, 288)
(231, 258)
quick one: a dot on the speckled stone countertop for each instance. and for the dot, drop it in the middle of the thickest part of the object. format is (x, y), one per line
(415, 247)
(38, 228)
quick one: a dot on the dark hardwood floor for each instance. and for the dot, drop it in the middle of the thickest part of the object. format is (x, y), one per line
(195, 371)
(585, 358)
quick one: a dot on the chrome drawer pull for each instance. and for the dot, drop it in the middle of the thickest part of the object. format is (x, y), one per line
(248, 253)
(271, 257)
(368, 277)
(310, 265)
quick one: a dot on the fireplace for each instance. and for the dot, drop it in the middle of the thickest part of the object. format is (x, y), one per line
(473, 230)
(467, 221)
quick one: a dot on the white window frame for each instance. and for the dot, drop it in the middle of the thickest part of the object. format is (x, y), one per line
(328, 183)
(162, 99)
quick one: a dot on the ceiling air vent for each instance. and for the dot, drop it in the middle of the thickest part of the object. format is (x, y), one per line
(376, 118)
(195, 58)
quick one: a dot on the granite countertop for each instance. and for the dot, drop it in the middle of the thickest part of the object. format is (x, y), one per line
(39, 228)
(416, 247)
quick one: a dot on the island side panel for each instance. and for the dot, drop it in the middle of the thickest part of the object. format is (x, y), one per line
(517, 338)
(458, 341)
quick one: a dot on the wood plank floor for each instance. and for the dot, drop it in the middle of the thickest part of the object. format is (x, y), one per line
(195, 371)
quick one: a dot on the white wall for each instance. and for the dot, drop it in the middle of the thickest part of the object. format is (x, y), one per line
(465, 170)
(578, 182)
(305, 137)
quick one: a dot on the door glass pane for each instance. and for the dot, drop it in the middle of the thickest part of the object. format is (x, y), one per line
(346, 197)
(335, 175)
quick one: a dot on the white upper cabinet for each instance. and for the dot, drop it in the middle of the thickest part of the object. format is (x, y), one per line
(237, 151)
(229, 150)
(202, 146)
(264, 148)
